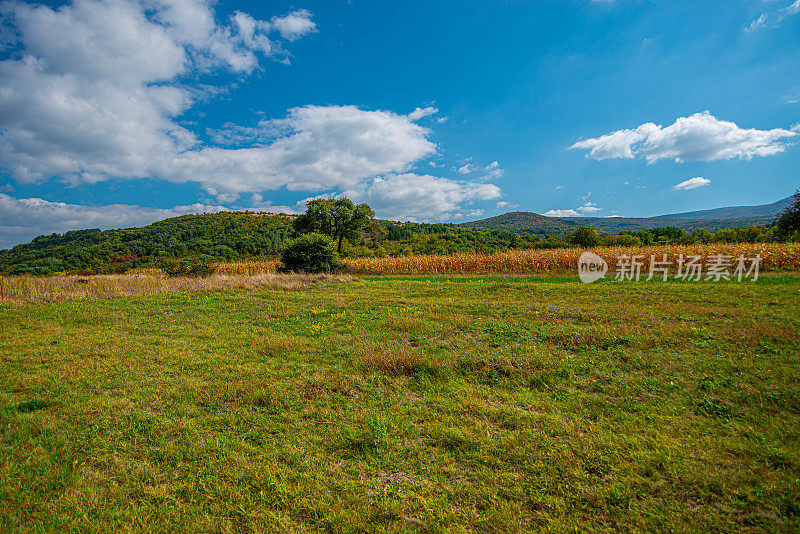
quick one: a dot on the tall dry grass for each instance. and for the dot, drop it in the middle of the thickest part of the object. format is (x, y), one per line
(248, 268)
(56, 288)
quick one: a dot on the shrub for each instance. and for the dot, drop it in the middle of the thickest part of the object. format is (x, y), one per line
(171, 266)
(310, 253)
(201, 268)
(187, 267)
(120, 267)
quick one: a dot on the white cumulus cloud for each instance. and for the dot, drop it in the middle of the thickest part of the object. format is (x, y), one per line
(467, 168)
(699, 137)
(92, 93)
(318, 147)
(588, 207)
(562, 213)
(492, 171)
(421, 197)
(419, 113)
(295, 25)
(692, 183)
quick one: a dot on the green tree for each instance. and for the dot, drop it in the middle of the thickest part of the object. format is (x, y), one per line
(788, 222)
(339, 219)
(586, 236)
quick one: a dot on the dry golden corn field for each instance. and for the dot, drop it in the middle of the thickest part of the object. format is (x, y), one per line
(775, 256)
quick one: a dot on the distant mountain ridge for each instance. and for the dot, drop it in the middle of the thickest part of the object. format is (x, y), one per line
(734, 212)
(713, 219)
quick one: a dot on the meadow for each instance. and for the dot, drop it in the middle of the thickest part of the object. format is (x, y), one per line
(403, 404)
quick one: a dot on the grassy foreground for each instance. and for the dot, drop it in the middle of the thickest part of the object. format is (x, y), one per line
(435, 404)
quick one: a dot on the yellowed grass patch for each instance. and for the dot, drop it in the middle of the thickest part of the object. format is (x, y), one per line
(278, 343)
(396, 359)
(56, 288)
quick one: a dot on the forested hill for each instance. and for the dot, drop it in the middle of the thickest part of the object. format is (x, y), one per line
(219, 235)
(525, 222)
(228, 236)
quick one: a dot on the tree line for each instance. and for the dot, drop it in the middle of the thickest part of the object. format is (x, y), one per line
(352, 229)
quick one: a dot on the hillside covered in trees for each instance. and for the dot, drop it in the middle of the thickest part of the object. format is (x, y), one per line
(227, 236)
(526, 222)
(230, 236)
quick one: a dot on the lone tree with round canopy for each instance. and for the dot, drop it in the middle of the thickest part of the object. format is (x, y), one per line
(339, 219)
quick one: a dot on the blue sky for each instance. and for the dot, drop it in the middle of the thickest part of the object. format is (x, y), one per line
(119, 113)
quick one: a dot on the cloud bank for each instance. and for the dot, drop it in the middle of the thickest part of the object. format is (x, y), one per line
(95, 90)
(423, 197)
(22, 219)
(85, 99)
(580, 211)
(699, 137)
(313, 148)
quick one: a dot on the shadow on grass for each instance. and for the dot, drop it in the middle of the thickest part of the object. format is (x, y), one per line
(31, 406)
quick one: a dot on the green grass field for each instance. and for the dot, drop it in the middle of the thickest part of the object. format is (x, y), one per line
(406, 404)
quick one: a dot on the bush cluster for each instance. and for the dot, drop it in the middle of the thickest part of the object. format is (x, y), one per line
(311, 253)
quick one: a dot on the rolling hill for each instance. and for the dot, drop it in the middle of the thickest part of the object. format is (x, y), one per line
(521, 222)
(714, 219)
(227, 236)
